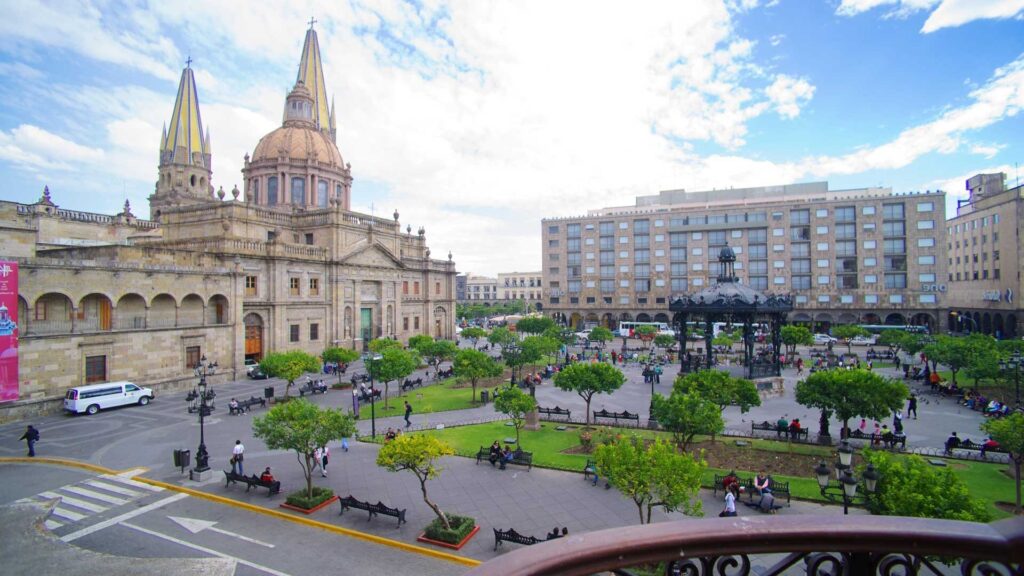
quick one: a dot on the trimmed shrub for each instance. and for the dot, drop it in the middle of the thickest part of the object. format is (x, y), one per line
(461, 527)
(299, 499)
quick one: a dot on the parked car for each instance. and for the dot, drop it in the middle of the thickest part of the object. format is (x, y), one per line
(250, 365)
(824, 339)
(864, 340)
(258, 374)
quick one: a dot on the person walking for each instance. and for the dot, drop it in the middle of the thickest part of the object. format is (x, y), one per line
(897, 422)
(31, 436)
(408, 412)
(912, 405)
(322, 455)
(237, 454)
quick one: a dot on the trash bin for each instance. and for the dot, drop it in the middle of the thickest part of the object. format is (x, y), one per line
(483, 396)
(268, 392)
(182, 459)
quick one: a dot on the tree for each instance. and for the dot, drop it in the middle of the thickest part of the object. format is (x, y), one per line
(958, 352)
(847, 332)
(1009, 433)
(600, 334)
(421, 343)
(721, 388)
(502, 336)
(587, 379)
(289, 366)
(652, 475)
(645, 332)
(562, 335)
(474, 333)
(909, 486)
(851, 393)
(686, 414)
(340, 356)
(664, 340)
(417, 453)
(725, 339)
(534, 325)
(302, 427)
(379, 345)
(473, 365)
(984, 365)
(793, 336)
(535, 348)
(516, 404)
(393, 364)
(439, 351)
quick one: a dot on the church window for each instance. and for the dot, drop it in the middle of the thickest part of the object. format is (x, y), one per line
(321, 194)
(314, 286)
(309, 238)
(405, 324)
(272, 190)
(405, 288)
(250, 285)
(416, 323)
(314, 331)
(416, 290)
(299, 191)
(256, 190)
(294, 333)
(437, 288)
(294, 286)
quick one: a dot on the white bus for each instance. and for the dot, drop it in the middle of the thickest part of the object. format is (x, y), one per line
(94, 397)
(627, 329)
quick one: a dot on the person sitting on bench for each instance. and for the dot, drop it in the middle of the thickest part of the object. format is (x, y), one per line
(267, 477)
(761, 483)
(952, 442)
(233, 405)
(506, 457)
(495, 453)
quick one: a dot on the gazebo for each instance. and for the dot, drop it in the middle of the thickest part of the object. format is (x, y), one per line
(738, 305)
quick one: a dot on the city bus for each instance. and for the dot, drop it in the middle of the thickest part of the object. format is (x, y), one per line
(626, 329)
(880, 328)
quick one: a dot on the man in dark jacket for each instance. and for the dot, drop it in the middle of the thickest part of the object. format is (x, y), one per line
(31, 436)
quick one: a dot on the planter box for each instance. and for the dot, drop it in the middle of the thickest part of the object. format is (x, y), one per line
(323, 504)
(423, 538)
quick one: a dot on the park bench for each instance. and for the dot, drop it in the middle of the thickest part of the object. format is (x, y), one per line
(720, 486)
(313, 387)
(518, 457)
(776, 488)
(616, 416)
(556, 411)
(374, 509)
(767, 426)
(970, 446)
(357, 378)
(590, 468)
(891, 443)
(246, 405)
(511, 535)
(252, 481)
(409, 383)
(444, 373)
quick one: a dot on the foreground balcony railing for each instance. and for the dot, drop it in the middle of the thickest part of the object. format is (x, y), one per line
(773, 545)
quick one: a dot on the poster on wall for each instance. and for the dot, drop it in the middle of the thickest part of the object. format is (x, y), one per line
(8, 331)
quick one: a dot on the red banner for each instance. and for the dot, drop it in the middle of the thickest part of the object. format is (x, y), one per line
(8, 331)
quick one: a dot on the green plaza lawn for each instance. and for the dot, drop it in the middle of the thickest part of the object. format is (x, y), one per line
(446, 395)
(985, 481)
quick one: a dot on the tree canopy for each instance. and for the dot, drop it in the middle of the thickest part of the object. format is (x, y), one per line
(472, 365)
(1009, 433)
(645, 332)
(502, 336)
(686, 414)
(534, 324)
(417, 453)
(664, 340)
(302, 427)
(516, 404)
(474, 333)
(958, 352)
(909, 486)
(379, 345)
(340, 356)
(587, 379)
(847, 332)
(851, 393)
(535, 348)
(720, 388)
(600, 334)
(652, 475)
(289, 366)
(793, 336)
(393, 364)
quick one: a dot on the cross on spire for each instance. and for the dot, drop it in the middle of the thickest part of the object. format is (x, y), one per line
(312, 21)
(188, 62)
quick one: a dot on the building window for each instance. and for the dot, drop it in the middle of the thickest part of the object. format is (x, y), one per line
(192, 357)
(416, 290)
(309, 238)
(95, 369)
(299, 191)
(437, 288)
(293, 333)
(314, 286)
(925, 206)
(314, 332)
(405, 288)
(416, 322)
(405, 324)
(272, 190)
(250, 285)
(293, 284)
(552, 229)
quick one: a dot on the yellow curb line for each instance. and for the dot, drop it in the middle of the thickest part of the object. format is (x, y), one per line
(312, 523)
(58, 462)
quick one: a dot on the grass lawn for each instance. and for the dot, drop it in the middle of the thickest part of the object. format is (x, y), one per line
(438, 397)
(984, 480)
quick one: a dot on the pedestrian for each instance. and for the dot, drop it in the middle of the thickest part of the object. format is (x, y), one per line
(863, 426)
(31, 436)
(897, 422)
(344, 444)
(408, 412)
(322, 455)
(237, 455)
(912, 405)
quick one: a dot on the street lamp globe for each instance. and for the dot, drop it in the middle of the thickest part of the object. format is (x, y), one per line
(822, 472)
(845, 454)
(870, 478)
(849, 484)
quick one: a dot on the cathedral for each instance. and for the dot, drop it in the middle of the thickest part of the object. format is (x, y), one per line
(282, 265)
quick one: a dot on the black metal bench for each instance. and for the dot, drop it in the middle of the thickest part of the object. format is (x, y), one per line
(313, 387)
(766, 426)
(520, 457)
(616, 416)
(970, 446)
(511, 535)
(719, 484)
(374, 509)
(890, 442)
(444, 373)
(409, 383)
(590, 468)
(776, 488)
(246, 405)
(556, 411)
(252, 481)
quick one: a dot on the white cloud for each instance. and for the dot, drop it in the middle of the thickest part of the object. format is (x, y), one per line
(776, 39)
(34, 148)
(986, 150)
(788, 94)
(946, 13)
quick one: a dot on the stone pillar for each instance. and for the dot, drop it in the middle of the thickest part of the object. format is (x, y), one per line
(532, 421)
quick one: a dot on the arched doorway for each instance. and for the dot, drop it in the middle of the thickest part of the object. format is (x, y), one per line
(986, 323)
(822, 322)
(642, 317)
(1011, 325)
(576, 321)
(440, 321)
(130, 313)
(872, 318)
(924, 319)
(661, 318)
(253, 337)
(607, 321)
(997, 326)
(847, 318)
(895, 319)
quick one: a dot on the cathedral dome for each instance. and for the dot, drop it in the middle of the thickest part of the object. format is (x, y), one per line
(298, 142)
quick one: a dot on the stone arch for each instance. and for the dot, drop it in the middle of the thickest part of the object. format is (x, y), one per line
(977, 321)
(661, 317)
(998, 328)
(130, 312)
(847, 318)
(591, 318)
(52, 313)
(217, 311)
(163, 312)
(952, 322)
(822, 322)
(895, 319)
(924, 319)
(986, 323)
(440, 322)
(801, 317)
(872, 318)
(190, 313)
(575, 320)
(95, 313)
(643, 317)
(607, 320)
(253, 336)
(625, 317)
(1011, 325)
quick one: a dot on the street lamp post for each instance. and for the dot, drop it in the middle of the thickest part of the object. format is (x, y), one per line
(373, 398)
(202, 370)
(1014, 363)
(846, 485)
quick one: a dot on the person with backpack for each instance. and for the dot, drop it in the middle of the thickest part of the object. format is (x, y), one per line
(31, 436)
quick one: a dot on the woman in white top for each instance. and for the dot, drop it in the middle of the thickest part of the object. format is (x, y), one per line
(730, 501)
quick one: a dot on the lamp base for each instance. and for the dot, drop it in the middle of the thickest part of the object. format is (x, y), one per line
(200, 476)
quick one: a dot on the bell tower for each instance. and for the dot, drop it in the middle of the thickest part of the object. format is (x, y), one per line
(185, 159)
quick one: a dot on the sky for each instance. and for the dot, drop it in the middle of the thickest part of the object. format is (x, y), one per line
(477, 119)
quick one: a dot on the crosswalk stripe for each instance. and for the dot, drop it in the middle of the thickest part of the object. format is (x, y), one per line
(112, 488)
(74, 502)
(52, 524)
(130, 482)
(67, 514)
(95, 495)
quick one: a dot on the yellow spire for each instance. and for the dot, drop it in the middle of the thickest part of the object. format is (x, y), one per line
(311, 73)
(184, 138)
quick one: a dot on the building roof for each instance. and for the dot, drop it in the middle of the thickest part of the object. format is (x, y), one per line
(186, 136)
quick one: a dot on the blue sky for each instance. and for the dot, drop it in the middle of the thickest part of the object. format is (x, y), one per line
(477, 119)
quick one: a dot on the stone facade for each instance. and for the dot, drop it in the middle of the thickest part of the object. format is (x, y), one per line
(525, 286)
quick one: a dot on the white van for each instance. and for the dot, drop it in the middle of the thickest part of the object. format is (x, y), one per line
(94, 397)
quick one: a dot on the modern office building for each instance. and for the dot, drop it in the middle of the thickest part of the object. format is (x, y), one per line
(862, 255)
(983, 280)
(525, 286)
